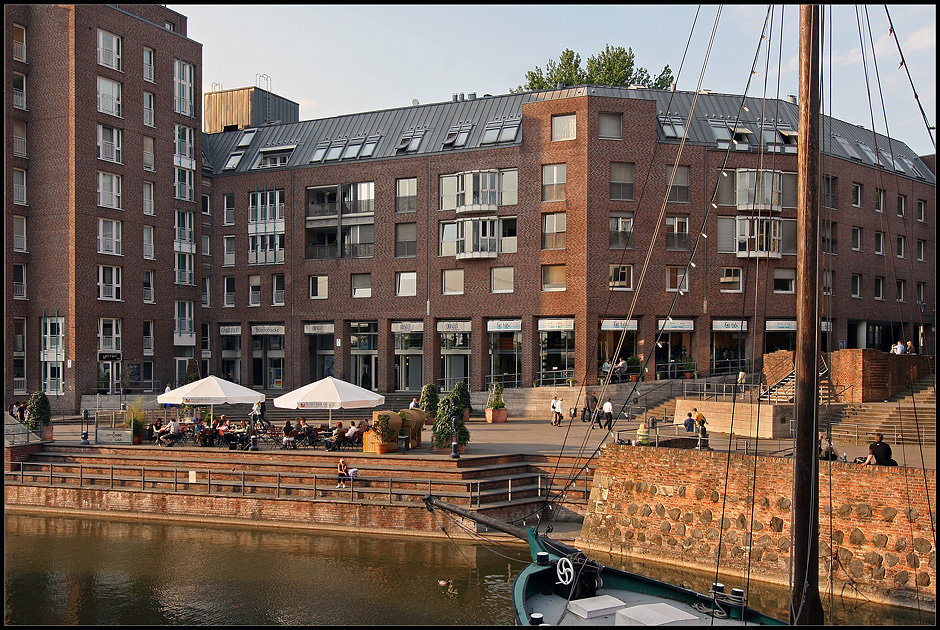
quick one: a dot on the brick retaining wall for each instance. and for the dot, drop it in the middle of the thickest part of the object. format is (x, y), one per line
(666, 504)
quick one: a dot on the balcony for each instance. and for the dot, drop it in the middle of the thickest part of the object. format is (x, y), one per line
(19, 146)
(19, 290)
(677, 240)
(19, 98)
(19, 194)
(358, 250)
(321, 252)
(321, 210)
(266, 212)
(109, 343)
(19, 243)
(264, 257)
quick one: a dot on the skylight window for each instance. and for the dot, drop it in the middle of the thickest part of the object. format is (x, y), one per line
(369, 147)
(720, 130)
(233, 161)
(457, 136)
(352, 151)
(848, 148)
(874, 159)
(910, 165)
(889, 160)
(673, 127)
(335, 151)
(319, 152)
(505, 131)
(410, 141)
(247, 135)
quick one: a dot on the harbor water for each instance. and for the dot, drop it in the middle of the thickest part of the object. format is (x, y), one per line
(62, 570)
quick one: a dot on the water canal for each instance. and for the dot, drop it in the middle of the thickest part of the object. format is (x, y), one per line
(85, 571)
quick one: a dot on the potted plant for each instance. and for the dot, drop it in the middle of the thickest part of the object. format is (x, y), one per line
(429, 400)
(383, 430)
(463, 396)
(39, 414)
(688, 365)
(633, 368)
(134, 419)
(496, 411)
(443, 429)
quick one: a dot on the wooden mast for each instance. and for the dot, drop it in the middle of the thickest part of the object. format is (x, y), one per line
(805, 604)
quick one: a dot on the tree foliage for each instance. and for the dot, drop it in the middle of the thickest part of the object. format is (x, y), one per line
(614, 65)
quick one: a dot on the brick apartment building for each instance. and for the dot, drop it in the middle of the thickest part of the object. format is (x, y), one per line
(479, 239)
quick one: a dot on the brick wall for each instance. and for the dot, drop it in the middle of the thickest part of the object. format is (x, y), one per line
(19, 453)
(677, 506)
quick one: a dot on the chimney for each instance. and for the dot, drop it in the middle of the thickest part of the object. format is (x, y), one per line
(791, 98)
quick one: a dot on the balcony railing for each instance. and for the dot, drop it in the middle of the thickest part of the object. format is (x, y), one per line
(321, 252)
(229, 299)
(148, 251)
(279, 297)
(19, 242)
(321, 210)
(148, 206)
(109, 343)
(265, 257)
(182, 106)
(621, 240)
(228, 216)
(147, 345)
(19, 193)
(109, 199)
(19, 146)
(148, 160)
(148, 294)
(148, 116)
(19, 384)
(266, 212)
(19, 98)
(19, 289)
(19, 51)
(148, 71)
(109, 105)
(185, 277)
(677, 240)
(359, 250)
(109, 246)
(228, 259)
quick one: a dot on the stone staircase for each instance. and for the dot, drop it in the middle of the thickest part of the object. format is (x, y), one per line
(909, 418)
(486, 483)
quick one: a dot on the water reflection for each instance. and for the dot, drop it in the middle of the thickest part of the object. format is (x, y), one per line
(69, 571)
(86, 571)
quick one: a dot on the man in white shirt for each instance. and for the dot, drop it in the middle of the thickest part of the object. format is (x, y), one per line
(171, 434)
(608, 414)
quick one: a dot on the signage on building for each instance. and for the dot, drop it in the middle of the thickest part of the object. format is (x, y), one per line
(443, 326)
(267, 329)
(318, 329)
(230, 330)
(729, 324)
(503, 325)
(556, 324)
(407, 327)
(113, 436)
(618, 324)
(677, 324)
(790, 325)
(207, 354)
(109, 356)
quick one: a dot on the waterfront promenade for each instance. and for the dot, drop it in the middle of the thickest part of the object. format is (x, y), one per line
(537, 436)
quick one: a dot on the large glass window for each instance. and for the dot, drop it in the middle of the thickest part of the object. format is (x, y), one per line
(564, 127)
(621, 181)
(621, 278)
(406, 195)
(677, 232)
(489, 188)
(679, 190)
(554, 278)
(554, 178)
(109, 96)
(406, 283)
(183, 80)
(621, 230)
(109, 50)
(109, 236)
(406, 240)
(452, 282)
(109, 143)
(553, 230)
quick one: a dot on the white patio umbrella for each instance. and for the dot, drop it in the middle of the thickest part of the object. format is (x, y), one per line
(210, 391)
(329, 393)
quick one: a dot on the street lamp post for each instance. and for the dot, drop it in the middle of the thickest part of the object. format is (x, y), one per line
(455, 438)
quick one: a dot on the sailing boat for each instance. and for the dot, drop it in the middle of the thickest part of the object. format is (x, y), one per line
(562, 585)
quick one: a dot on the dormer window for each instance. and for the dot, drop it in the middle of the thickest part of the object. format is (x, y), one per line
(335, 150)
(319, 152)
(352, 149)
(273, 157)
(368, 148)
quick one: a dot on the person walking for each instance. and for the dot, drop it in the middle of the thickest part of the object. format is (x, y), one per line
(591, 409)
(608, 415)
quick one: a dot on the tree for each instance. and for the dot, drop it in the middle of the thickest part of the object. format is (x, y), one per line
(38, 412)
(192, 372)
(614, 65)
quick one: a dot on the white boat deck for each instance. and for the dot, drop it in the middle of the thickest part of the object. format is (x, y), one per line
(622, 608)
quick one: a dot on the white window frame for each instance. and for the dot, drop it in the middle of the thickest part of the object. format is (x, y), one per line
(502, 280)
(228, 251)
(184, 269)
(730, 280)
(183, 81)
(857, 233)
(20, 281)
(19, 138)
(450, 280)
(149, 157)
(564, 127)
(109, 288)
(149, 290)
(148, 249)
(19, 187)
(109, 103)
(788, 275)
(254, 290)
(879, 243)
(677, 279)
(109, 198)
(554, 278)
(148, 198)
(679, 190)
(277, 289)
(856, 286)
(406, 283)
(150, 107)
(319, 287)
(620, 278)
(361, 285)
(110, 151)
(112, 341)
(554, 182)
(228, 291)
(19, 233)
(879, 290)
(109, 50)
(109, 244)
(149, 64)
(921, 250)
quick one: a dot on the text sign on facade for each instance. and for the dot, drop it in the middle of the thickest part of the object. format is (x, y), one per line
(267, 330)
(618, 324)
(230, 330)
(556, 324)
(113, 436)
(407, 327)
(504, 325)
(729, 324)
(677, 324)
(318, 329)
(453, 326)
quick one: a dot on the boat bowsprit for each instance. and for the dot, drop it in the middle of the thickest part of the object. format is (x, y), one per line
(562, 586)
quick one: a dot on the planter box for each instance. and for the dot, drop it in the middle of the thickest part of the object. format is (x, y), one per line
(448, 450)
(371, 444)
(496, 416)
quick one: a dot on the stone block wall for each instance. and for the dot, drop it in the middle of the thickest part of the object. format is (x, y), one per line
(680, 507)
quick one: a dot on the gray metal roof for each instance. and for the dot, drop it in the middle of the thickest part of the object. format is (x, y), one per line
(435, 120)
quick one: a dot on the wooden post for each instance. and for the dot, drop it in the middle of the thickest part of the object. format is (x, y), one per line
(805, 605)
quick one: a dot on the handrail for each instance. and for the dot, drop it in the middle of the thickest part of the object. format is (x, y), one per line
(276, 484)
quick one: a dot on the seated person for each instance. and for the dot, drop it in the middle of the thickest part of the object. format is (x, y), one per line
(287, 430)
(351, 434)
(339, 432)
(826, 450)
(171, 433)
(879, 453)
(153, 431)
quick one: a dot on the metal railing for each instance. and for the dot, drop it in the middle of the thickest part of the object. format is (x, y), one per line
(291, 485)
